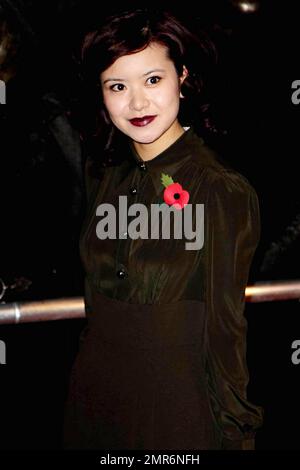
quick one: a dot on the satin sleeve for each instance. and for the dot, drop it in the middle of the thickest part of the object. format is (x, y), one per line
(90, 180)
(232, 234)
(91, 187)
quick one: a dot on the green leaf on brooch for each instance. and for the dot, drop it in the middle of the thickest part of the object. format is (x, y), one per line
(166, 180)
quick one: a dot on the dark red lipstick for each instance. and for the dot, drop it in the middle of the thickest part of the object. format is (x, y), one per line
(143, 121)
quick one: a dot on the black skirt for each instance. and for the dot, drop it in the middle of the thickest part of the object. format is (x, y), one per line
(138, 381)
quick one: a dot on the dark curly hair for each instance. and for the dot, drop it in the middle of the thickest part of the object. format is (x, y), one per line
(132, 31)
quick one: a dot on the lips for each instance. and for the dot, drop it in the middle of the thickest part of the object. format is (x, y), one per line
(144, 121)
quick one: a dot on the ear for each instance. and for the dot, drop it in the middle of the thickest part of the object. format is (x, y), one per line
(184, 74)
(182, 78)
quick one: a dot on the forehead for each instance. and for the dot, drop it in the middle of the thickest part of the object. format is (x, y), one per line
(153, 56)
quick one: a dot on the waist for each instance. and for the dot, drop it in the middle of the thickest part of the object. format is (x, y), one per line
(146, 326)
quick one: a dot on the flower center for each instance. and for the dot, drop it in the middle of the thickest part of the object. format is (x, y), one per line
(176, 196)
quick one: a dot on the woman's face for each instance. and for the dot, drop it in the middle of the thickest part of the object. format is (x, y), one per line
(144, 85)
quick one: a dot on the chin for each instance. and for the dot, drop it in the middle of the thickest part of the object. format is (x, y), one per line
(145, 140)
(142, 137)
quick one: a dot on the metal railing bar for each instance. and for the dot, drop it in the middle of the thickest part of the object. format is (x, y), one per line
(69, 308)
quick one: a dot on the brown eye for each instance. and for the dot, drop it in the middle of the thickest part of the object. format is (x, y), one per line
(117, 87)
(154, 80)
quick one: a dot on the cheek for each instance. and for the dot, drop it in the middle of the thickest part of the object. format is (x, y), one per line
(112, 105)
(169, 98)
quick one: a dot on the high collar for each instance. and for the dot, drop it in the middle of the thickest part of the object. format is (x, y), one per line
(171, 160)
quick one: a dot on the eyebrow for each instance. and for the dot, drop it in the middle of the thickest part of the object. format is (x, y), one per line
(124, 80)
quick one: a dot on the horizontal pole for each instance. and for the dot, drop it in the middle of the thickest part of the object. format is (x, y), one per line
(42, 310)
(268, 291)
(68, 308)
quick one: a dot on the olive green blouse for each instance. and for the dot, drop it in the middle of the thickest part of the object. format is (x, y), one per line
(159, 272)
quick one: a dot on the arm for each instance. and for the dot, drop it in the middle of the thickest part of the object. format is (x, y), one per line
(232, 235)
(91, 182)
(91, 188)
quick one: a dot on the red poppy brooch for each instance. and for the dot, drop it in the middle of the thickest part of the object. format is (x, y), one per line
(174, 195)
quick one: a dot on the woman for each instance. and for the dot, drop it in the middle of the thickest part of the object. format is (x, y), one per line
(162, 362)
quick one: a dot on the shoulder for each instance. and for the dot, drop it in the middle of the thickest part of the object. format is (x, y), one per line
(231, 194)
(217, 174)
(229, 181)
(232, 208)
(93, 174)
(233, 202)
(227, 194)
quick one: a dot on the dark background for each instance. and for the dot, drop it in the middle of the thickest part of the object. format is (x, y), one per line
(252, 108)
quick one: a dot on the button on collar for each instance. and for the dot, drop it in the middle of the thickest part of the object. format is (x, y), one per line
(142, 166)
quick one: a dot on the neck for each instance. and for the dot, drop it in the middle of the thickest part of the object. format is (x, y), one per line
(150, 151)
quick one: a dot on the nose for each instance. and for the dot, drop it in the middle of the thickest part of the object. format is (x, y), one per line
(138, 100)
